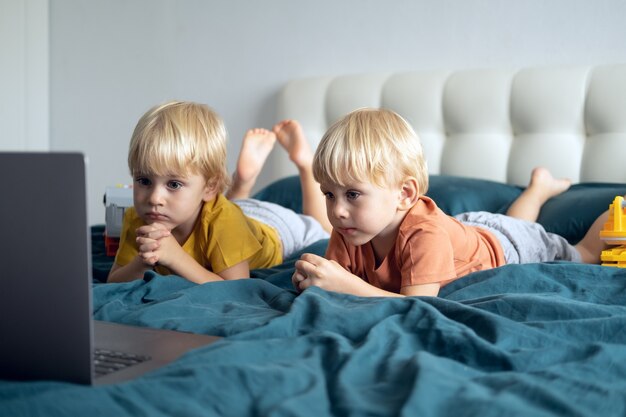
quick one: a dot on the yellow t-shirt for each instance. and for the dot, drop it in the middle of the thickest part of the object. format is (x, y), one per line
(222, 237)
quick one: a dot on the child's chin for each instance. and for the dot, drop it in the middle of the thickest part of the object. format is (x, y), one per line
(151, 221)
(356, 239)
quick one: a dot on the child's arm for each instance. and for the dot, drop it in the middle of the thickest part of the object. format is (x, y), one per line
(314, 270)
(426, 290)
(185, 266)
(157, 245)
(129, 272)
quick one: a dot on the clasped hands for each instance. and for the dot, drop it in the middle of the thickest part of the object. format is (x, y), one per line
(156, 244)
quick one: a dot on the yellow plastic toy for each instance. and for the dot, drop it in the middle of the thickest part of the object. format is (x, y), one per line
(614, 233)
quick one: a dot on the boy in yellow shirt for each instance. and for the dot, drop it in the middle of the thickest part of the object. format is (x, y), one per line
(389, 239)
(182, 224)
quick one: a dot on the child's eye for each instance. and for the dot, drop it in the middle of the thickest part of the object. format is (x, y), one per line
(143, 181)
(174, 185)
(329, 195)
(352, 195)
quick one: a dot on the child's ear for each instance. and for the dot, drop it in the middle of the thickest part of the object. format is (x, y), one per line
(210, 190)
(409, 193)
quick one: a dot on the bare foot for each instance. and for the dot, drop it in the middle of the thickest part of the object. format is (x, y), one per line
(291, 137)
(255, 148)
(541, 188)
(542, 181)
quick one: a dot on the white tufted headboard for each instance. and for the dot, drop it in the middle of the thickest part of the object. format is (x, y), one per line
(489, 123)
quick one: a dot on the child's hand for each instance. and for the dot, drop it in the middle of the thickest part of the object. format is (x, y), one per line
(151, 240)
(313, 270)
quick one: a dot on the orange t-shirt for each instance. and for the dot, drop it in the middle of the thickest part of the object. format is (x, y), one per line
(430, 247)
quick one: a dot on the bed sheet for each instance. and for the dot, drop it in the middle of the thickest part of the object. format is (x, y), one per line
(538, 339)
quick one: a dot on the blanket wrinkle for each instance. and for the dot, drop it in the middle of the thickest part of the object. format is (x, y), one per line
(537, 339)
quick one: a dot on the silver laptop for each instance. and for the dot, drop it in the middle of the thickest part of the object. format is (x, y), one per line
(46, 326)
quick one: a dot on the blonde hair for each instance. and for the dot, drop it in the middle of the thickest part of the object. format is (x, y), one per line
(180, 138)
(371, 145)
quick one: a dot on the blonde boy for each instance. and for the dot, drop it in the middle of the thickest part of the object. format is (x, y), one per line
(181, 223)
(389, 239)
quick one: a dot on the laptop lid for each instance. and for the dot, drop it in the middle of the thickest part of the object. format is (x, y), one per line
(46, 326)
(45, 272)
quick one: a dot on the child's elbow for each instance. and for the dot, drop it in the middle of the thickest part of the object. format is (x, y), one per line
(421, 290)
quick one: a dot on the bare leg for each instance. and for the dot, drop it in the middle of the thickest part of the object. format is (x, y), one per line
(542, 187)
(290, 135)
(591, 246)
(257, 145)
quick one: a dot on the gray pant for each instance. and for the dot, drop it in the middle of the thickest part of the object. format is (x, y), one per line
(296, 231)
(522, 241)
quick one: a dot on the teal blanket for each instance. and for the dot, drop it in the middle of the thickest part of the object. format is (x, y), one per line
(521, 340)
(531, 340)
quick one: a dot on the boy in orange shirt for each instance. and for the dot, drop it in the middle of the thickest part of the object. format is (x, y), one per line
(389, 239)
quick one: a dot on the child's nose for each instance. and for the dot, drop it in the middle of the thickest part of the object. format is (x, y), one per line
(339, 211)
(156, 196)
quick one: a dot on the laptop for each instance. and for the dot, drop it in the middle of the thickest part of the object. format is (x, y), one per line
(46, 327)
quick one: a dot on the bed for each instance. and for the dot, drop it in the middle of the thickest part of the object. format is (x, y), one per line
(543, 339)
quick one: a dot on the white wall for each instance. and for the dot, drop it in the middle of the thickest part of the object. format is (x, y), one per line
(111, 60)
(24, 68)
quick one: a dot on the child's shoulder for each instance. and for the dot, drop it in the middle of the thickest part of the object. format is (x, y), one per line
(424, 218)
(222, 210)
(218, 206)
(426, 210)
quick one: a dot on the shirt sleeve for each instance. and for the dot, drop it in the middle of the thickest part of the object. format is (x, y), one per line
(127, 249)
(230, 239)
(427, 256)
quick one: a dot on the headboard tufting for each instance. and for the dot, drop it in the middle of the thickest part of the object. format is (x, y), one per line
(487, 123)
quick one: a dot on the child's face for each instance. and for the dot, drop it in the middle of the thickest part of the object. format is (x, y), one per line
(361, 212)
(174, 201)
